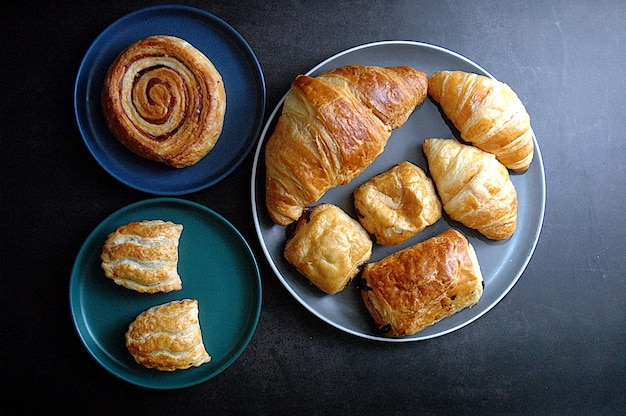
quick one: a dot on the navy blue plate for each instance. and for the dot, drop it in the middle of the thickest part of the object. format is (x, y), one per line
(245, 98)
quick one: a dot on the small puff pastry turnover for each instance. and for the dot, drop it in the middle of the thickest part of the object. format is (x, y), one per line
(168, 337)
(412, 289)
(397, 204)
(474, 187)
(327, 246)
(487, 113)
(165, 101)
(143, 256)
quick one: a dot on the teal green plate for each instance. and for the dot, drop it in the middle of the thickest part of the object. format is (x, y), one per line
(217, 268)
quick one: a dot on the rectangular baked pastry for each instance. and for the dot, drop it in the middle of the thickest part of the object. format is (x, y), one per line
(328, 247)
(413, 288)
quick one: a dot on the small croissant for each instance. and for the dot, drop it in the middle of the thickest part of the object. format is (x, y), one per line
(474, 187)
(487, 114)
(332, 127)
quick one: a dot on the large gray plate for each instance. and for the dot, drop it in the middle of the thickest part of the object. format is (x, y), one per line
(502, 263)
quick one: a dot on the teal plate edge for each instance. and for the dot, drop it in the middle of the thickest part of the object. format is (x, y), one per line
(217, 267)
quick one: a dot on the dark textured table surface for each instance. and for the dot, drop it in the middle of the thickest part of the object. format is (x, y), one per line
(556, 343)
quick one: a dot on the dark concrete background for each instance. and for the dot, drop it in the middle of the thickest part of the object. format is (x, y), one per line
(556, 344)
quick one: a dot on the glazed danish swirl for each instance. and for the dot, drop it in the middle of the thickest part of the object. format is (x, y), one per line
(164, 100)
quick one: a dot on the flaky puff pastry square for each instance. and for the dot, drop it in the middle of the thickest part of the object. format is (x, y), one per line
(412, 289)
(397, 204)
(143, 256)
(328, 247)
(167, 337)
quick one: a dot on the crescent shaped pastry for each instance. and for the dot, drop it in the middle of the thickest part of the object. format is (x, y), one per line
(475, 188)
(332, 127)
(487, 114)
(165, 101)
(412, 289)
(143, 256)
(397, 204)
(168, 337)
(327, 246)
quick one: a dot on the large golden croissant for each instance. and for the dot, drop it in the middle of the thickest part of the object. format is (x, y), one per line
(331, 128)
(487, 114)
(475, 189)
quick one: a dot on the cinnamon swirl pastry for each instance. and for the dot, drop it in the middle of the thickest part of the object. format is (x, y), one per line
(164, 100)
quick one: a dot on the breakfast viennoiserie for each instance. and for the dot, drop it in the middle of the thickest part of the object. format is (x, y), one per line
(487, 114)
(327, 246)
(397, 204)
(168, 337)
(474, 187)
(165, 101)
(413, 288)
(331, 128)
(143, 256)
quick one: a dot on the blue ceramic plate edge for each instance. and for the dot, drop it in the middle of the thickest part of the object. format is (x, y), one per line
(258, 124)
